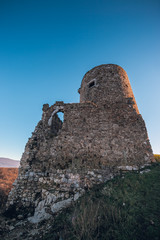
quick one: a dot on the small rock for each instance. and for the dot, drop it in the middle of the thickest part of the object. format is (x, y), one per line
(13, 220)
(135, 168)
(145, 171)
(11, 228)
(20, 217)
(76, 196)
(129, 168)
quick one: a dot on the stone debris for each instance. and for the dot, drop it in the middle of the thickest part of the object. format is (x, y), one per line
(145, 171)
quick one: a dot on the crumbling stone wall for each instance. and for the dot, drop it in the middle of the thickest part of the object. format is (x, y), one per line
(99, 136)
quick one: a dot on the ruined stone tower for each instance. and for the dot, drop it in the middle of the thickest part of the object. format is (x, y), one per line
(100, 135)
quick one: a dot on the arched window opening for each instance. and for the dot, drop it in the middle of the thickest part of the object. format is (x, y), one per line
(57, 110)
(60, 119)
(61, 116)
(56, 121)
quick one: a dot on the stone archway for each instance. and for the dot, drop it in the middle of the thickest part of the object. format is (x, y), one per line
(56, 110)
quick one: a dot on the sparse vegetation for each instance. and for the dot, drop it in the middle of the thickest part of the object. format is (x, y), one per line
(7, 177)
(128, 207)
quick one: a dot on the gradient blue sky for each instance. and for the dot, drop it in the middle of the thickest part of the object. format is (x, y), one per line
(47, 46)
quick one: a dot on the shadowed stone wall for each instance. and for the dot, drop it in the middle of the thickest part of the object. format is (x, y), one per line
(99, 136)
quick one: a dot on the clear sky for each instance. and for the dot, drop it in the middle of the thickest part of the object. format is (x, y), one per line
(47, 46)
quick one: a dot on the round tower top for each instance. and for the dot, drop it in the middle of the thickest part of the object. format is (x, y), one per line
(106, 83)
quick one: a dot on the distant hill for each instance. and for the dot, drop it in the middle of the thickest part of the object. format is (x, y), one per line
(9, 163)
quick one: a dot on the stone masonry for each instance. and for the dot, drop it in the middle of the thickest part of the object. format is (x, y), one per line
(99, 136)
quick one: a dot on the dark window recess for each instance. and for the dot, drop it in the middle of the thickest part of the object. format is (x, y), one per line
(91, 84)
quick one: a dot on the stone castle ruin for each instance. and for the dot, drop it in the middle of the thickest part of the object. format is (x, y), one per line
(99, 136)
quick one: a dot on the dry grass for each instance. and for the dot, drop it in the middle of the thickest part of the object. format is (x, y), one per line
(7, 177)
(157, 157)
